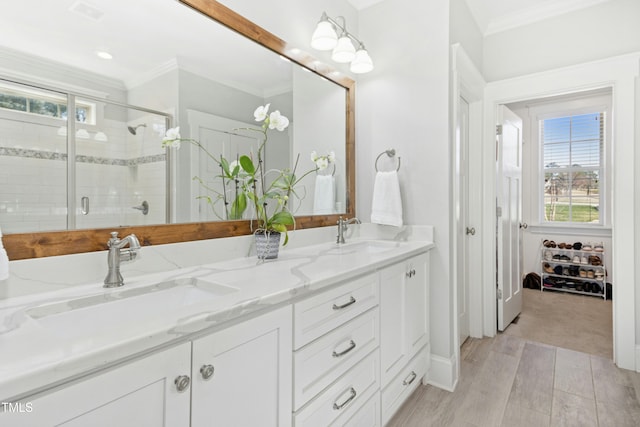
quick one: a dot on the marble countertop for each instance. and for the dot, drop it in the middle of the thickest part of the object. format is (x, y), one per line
(42, 348)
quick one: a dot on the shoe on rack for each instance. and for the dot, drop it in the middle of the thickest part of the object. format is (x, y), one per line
(583, 273)
(576, 259)
(561, 245)
(556, 257)
(547, 268)
(577, 246)
(548, 256)
(587, 247)
(549, 244)
(564, 258)
(598, 247)
(584, 260)
(599, 276)
(590, 274)
(557, 269)
(595, 260)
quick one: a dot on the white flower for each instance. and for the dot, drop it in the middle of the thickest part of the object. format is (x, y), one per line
(332, 157)
(278, 121)
(261, 113)
(322, 163)
(172, 138)
(314, 156)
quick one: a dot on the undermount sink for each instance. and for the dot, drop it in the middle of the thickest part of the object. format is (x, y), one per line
(366, 246)
(126, 306)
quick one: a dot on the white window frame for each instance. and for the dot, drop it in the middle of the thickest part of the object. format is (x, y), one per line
(567, 107)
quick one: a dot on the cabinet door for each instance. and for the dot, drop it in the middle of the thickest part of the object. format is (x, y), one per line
(242, 374)
(140, 393)
(404, 326)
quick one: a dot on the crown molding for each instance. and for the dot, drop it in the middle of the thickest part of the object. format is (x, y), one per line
(540, 12)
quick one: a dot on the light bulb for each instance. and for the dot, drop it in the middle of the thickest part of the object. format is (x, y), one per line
(324, 37)
(344, 50)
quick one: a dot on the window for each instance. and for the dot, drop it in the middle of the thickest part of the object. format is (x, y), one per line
(43, 104)
(572, 153)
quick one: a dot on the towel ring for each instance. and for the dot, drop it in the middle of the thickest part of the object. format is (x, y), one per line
(391, 152)
(333, 173)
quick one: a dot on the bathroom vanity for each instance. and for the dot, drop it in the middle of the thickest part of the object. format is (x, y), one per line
(325, 335)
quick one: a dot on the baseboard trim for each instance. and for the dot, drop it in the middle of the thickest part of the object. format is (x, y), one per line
(444, 372)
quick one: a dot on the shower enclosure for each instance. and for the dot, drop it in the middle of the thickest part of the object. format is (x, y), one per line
(71, 161)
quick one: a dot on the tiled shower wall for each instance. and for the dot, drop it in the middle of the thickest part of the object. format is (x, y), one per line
(115, 175)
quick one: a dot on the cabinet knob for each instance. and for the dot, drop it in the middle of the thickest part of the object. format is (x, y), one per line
(471, 231)
(182, 383)
(411, 272)
(524, 225)
(207, 371)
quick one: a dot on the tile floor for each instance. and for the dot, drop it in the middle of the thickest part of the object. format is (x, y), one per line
(513, 380)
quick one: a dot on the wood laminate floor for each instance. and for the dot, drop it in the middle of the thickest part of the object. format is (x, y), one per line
(517, 379)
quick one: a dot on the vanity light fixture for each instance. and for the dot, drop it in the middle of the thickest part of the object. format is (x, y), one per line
(325, 37)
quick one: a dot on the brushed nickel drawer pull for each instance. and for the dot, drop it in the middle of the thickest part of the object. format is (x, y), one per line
(412, 375)
(352, 345)
(352, 396)
(352, 300)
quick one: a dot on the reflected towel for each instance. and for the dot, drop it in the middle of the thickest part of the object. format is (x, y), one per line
(324, 198)
(386, 207)
(4, 261)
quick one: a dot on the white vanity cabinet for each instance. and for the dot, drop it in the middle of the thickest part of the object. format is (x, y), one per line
(404, 330)
(242, 374)
(144, 392)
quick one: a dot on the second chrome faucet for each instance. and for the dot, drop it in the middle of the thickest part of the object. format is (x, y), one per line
(342, 227)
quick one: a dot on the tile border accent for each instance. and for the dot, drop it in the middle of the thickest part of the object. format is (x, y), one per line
(50, 155)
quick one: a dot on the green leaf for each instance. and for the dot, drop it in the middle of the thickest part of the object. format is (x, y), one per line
(283, 218)
(225, 165)
(247, 164)
(279, 227)
(238, 206)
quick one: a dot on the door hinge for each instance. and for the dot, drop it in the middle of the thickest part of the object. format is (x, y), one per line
(499, 294)
(498, 211)
(498, 130)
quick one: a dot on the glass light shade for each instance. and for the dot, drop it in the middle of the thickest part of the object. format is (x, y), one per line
(83, 134)
(101, 136)
(362, 63)
(344, 50)
(324, 37)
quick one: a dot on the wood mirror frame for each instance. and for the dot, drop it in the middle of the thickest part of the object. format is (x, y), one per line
(43, 244)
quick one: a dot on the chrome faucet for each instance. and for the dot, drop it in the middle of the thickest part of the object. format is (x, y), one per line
(118, 255)
(342, 227)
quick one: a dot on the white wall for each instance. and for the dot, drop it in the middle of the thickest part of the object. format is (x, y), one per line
(464, 30)
(404, 104)
(607, 29)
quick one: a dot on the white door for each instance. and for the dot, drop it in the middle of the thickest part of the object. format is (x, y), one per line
(462, 218)
(153, 391)
(242, 375)
(217, 136)
(509, 215)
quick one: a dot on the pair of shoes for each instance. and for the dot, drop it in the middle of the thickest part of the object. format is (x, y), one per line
(599, 275)
(590, 274)
(548, 256)
(598, 247)
(576, 260)
(587, 247)
(549, 244)
(577, 246)
(584, 260)
(595, 260)
(547, 268)
(583, 273)
(564, 258)
(565, 245)
(557, 269)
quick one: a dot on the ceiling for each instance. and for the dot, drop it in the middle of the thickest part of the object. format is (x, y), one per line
(145, 37)
(493, 16)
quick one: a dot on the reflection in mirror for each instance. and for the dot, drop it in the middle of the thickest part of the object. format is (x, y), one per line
(173, 79)
(218, 81)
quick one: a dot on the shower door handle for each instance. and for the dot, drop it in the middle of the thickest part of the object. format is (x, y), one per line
(84, 203)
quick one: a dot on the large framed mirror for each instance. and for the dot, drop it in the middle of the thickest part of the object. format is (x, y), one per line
(288, 78)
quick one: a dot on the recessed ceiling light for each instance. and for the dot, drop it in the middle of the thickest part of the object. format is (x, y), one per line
(104, 54)
(87, 10)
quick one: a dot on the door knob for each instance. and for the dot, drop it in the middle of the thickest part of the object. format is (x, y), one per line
(182, 383)
(524, 225)
(207, 371)
(471, 231)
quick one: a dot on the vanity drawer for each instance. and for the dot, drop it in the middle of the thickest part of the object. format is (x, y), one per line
(367, 416)
(320, 363)
(343, 399)
(320, 314)
(400, 387)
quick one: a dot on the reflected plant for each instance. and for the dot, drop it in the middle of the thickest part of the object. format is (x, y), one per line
(270, 200)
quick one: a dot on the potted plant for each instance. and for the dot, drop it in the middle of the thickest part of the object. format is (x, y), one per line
(245, 184)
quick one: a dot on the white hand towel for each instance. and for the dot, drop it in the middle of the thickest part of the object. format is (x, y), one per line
(4, 261)
(387, 204)
(324, 197)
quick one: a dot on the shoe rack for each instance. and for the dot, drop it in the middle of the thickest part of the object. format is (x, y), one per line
(576, 268)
